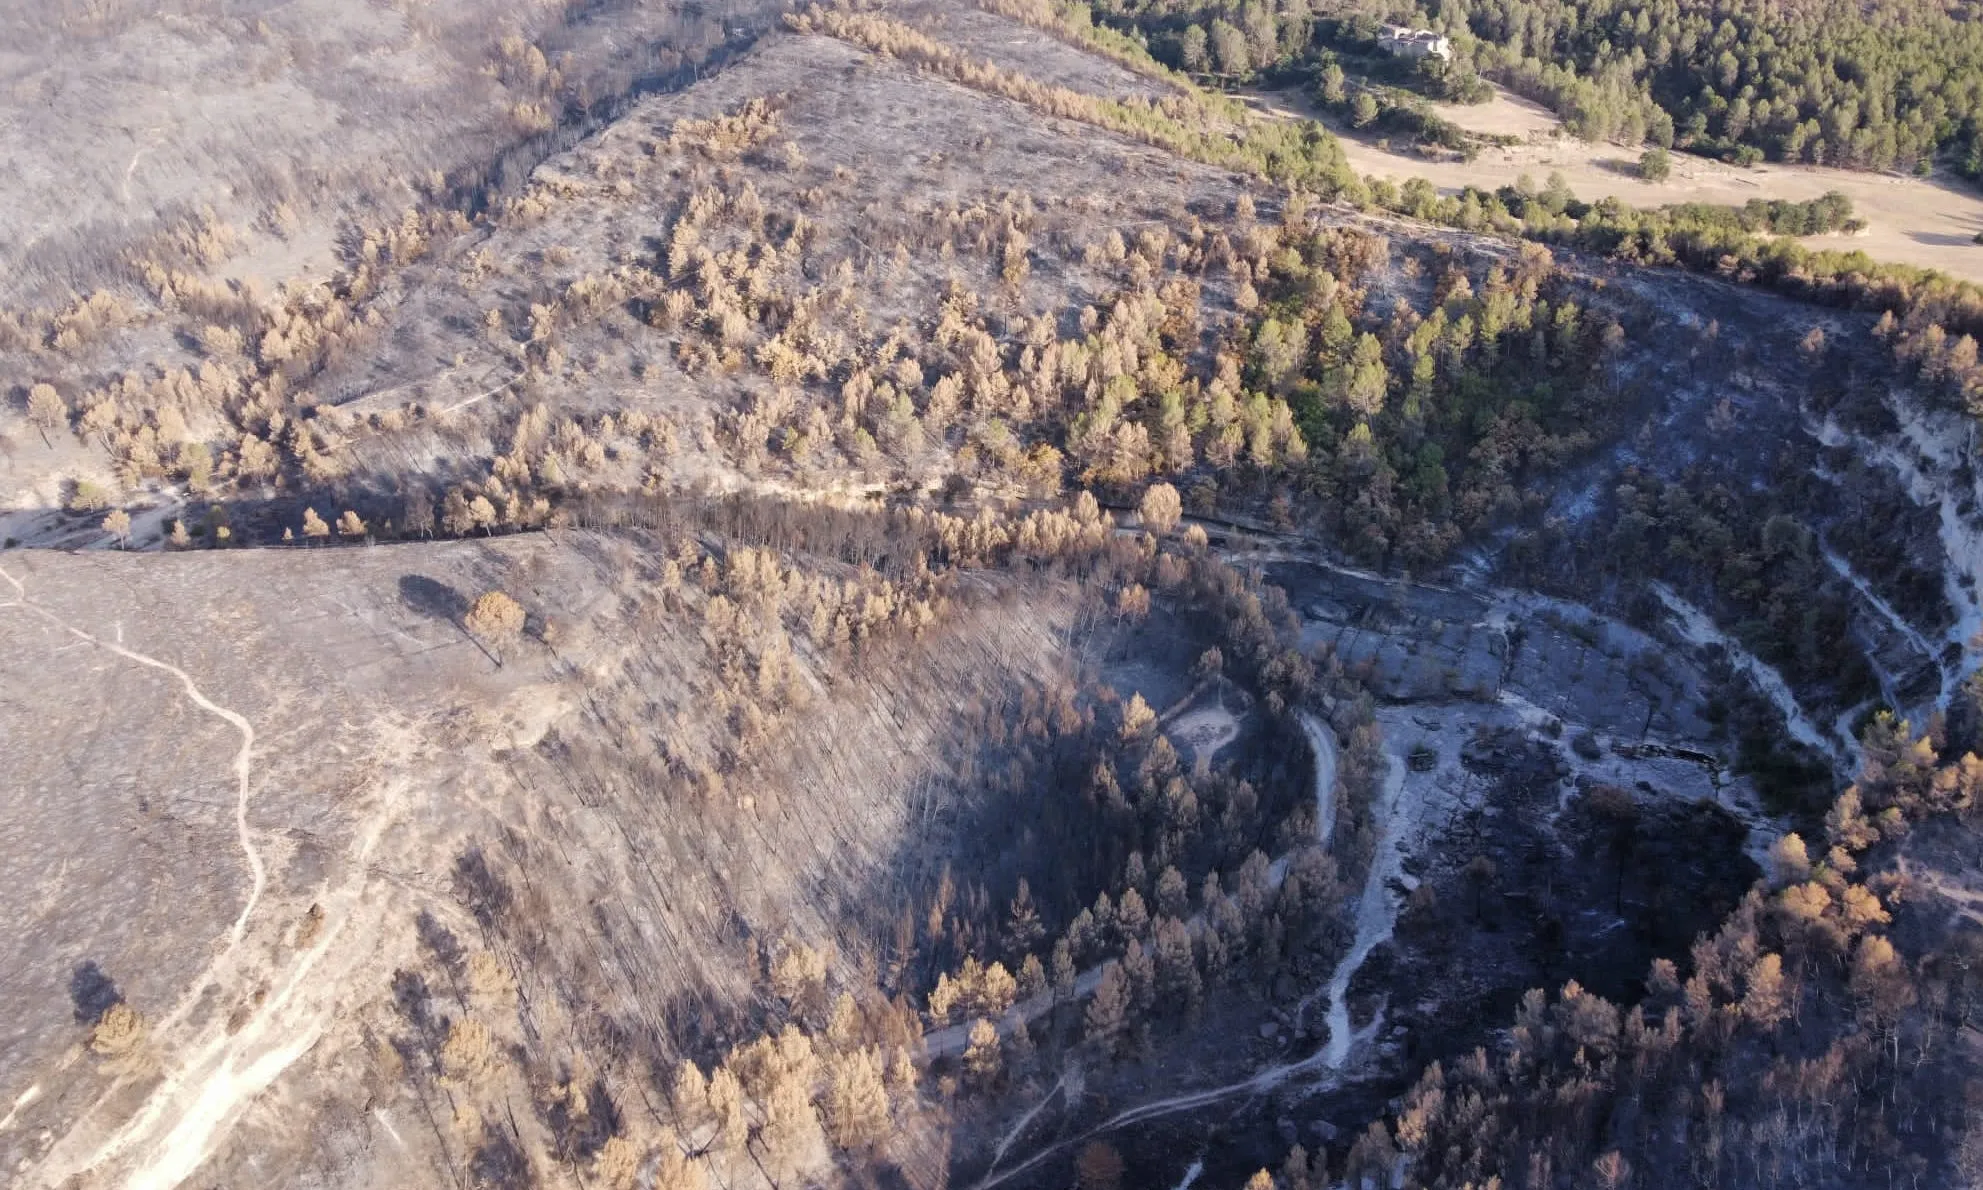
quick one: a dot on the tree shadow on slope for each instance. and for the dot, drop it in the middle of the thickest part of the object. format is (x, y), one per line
(93, 992)
(432, 598)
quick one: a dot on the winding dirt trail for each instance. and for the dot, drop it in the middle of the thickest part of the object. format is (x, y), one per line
(243, 759)
(1891, 617)
(1377, 916)
(1020, 1125)
(1886, 611)
(187, 1116)
(1376, 913)
(1966, 903)
(217, 1072)
(1322, 742)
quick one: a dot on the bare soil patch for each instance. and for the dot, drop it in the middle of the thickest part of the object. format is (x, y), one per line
(1205, 731)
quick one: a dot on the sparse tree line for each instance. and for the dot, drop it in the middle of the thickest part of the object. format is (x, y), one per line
(1396, 114)
(1940, 354)
(232, 421)
(776, 624)
(1074, 18)
(514, 1083)
(1185, 123)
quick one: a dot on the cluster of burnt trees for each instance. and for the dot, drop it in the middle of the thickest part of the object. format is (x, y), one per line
(1411, 425)
(1765, 568)
(1814, 1039)
(1374, 410)
(1158, 892)
(1156, 838)
(829, 1080)
(743, 284)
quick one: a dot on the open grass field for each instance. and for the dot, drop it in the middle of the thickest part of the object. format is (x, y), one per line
(1927, 222)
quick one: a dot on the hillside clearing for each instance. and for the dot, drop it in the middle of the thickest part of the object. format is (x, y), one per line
(1926, 222)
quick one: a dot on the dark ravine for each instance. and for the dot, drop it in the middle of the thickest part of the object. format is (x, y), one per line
(1443, 999)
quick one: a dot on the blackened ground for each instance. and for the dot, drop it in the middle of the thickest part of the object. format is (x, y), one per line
(1588, 884)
